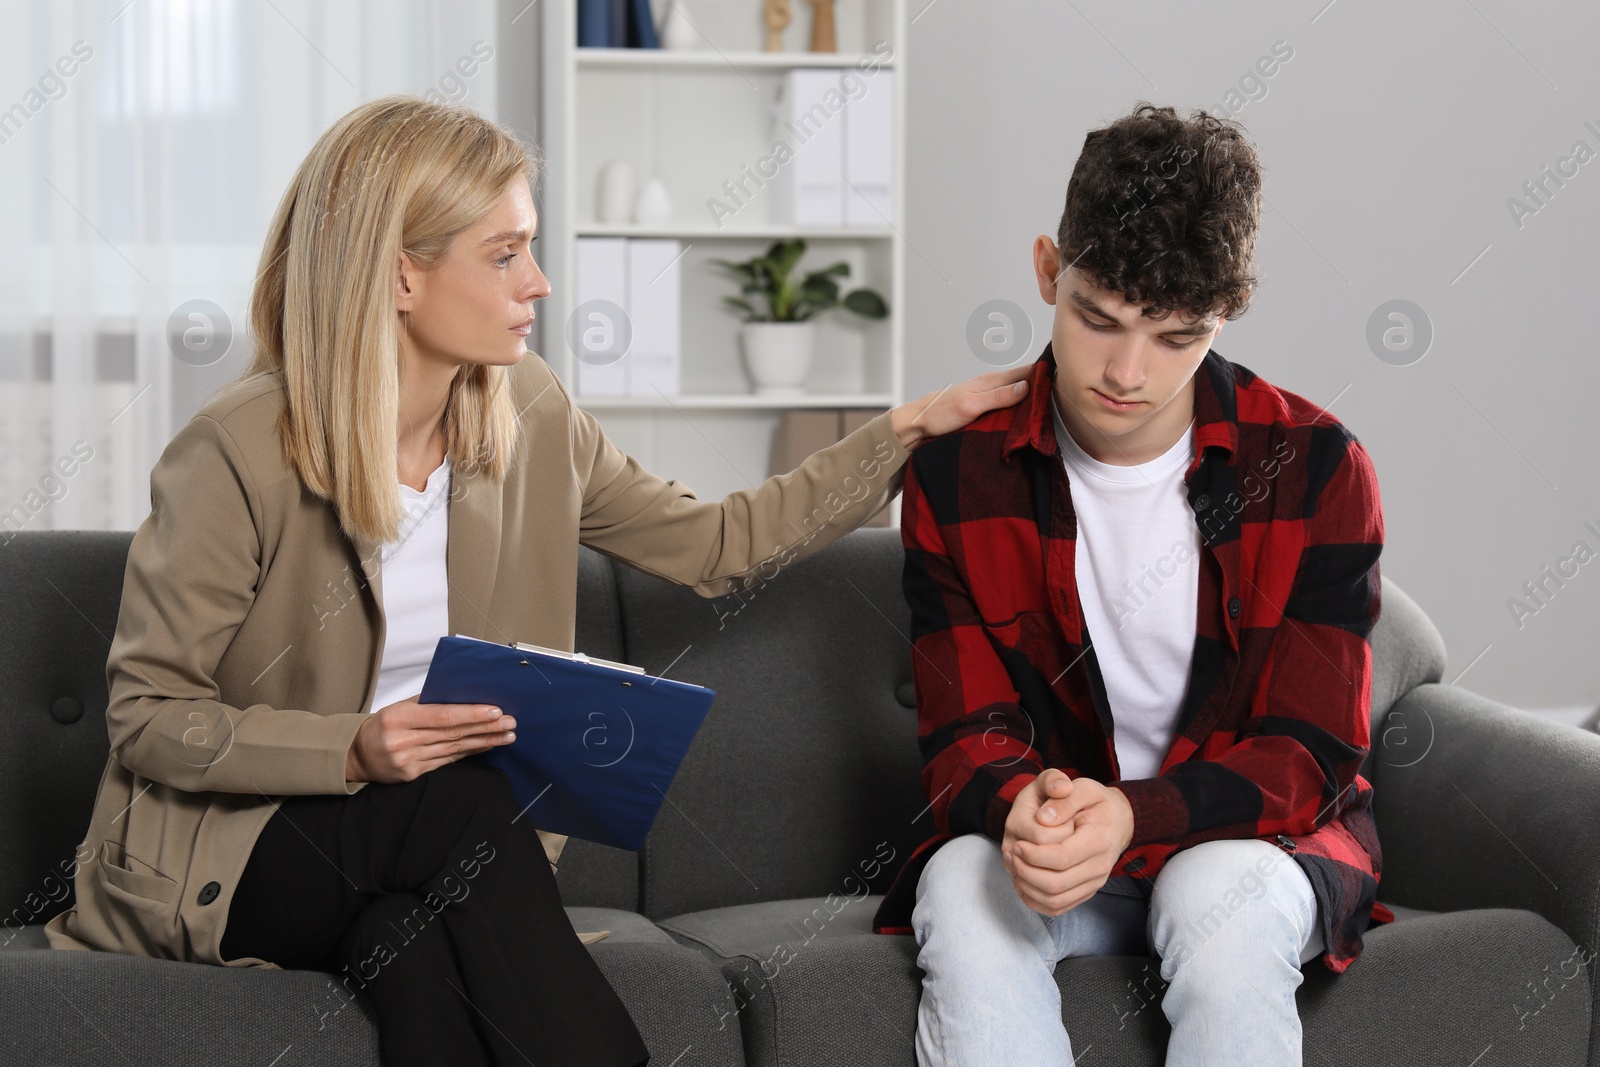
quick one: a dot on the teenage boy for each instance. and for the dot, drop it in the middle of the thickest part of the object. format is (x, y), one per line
(1140, 606)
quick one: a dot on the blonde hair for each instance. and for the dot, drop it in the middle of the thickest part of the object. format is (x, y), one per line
(395, 174)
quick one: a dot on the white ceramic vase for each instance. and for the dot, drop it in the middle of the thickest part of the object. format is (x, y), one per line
(614, 199)
(778, 356)
(677, 35)
(654, 206)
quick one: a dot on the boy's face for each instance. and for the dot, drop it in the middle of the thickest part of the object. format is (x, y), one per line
(1106, 351)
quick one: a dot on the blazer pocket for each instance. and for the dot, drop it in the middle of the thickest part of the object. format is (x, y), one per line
(149, 884)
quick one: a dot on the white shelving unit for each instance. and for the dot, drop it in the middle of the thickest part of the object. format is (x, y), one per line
(696, 120)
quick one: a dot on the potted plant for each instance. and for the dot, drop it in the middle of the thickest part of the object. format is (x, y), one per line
(780, 337)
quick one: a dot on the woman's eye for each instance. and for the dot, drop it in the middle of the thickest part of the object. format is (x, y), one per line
(501, 262)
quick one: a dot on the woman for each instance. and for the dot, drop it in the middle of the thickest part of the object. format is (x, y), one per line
(275, 796)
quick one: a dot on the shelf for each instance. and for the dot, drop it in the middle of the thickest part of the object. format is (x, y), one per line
(737, 401)
(656, 58)
(702, 122)
(709, 232)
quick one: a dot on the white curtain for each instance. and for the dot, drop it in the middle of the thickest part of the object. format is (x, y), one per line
(143, 148)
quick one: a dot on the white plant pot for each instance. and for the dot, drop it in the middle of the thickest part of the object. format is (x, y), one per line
(778, 356)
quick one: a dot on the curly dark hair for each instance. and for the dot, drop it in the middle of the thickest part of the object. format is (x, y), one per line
(1164, 210)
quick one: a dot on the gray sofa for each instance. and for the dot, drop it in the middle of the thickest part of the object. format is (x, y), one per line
(741, 933)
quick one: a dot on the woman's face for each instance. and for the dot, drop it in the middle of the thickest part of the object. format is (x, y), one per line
(476, 306)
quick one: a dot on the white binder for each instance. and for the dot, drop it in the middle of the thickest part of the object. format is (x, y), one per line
(601, 266)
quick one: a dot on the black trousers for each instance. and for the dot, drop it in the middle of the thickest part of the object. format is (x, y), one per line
(427, 898)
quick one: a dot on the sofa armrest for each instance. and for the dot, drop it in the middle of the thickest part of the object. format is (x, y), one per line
(1483, 806)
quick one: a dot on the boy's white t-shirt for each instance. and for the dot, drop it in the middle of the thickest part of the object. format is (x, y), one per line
(416, 592)
(1137, 558)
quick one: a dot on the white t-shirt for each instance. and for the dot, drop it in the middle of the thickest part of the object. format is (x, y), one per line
(415, 591)
(1138, 568)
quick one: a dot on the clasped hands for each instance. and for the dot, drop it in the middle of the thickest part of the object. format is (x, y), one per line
(1062, 839)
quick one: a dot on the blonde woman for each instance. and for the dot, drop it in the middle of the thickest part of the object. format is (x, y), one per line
(395, 466)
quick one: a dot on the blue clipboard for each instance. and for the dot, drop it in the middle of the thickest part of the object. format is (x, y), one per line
(598, 743)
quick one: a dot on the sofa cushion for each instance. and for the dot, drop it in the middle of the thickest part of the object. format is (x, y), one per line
(626, 927)
(89, 1008)
(812, 985)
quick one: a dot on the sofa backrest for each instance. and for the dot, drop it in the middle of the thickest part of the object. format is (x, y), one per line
(59, 592)
(591, 875)
(1407, 651)
(803, 782)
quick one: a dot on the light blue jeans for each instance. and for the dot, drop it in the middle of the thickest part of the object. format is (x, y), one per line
(1231, 921)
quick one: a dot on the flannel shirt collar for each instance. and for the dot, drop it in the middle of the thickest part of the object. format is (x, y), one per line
(1216, 410)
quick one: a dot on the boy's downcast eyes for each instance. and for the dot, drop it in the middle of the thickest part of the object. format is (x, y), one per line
(1100, 326)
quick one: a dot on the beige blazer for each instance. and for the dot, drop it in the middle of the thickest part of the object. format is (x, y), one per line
(251, 629)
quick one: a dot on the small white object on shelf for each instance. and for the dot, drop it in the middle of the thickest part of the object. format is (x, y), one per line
(677, 34)
(614, 197)
(654, 206)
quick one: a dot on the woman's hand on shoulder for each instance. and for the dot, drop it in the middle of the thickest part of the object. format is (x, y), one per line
(955, 405)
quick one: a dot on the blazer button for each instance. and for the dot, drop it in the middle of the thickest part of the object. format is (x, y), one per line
(1233, 607)
(1135, 865)
(209, 892)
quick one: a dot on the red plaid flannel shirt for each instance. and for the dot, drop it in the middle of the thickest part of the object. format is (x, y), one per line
(1275, 722)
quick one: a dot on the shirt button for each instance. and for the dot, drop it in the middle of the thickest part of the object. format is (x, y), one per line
(1202, 502)
(209, 892)
(1233, 607)
(1287, 842)
(1135, 865)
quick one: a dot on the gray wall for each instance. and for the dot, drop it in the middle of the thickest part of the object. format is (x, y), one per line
(1392, 140)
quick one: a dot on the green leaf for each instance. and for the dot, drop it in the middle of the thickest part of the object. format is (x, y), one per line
(788, 255)
(820, 290)
(744, 270)
(841, 269)
(868, 303)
